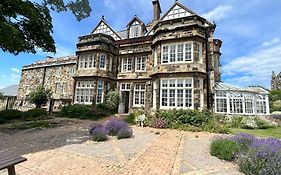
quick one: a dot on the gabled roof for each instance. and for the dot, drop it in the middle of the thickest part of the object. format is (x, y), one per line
(104, 28)
(178, 6)
(228, 87)
(136, 19)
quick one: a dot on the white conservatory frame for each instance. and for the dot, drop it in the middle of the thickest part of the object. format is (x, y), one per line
(236, 101)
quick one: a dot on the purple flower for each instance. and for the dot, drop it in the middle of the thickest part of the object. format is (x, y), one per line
(113, 126)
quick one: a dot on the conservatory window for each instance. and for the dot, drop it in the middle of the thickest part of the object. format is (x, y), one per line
(102, 61)
(177, 93)
(221, 101)
(177, 53)
(139, 94)
(140, 64)
(84, 92)
(126, 64)
(100, 91)
(261, 104)
(249, 103)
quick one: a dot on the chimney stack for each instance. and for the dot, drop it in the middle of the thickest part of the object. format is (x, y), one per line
(156, 10)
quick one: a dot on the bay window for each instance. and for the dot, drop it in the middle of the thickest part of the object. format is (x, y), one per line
(84, 92)
(176, 93)
(87, 61)
(100, 91)
(177, 53)
(102, 61)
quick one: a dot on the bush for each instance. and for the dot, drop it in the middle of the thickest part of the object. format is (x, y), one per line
(125, 132)
(98, 133)
(77, 111)
(224, 148)
(9, 115)
(215, 127)
(35, 114)
(130, 119)
(103, 110)
(236, 121)
(159, 123)
(113, 100)
(113, 126)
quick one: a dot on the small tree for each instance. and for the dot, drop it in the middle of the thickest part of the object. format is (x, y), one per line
(275, 100)
(1, 95)
(40, 96)
(112, 100)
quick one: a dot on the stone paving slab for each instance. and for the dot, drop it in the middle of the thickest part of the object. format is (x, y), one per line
(67, 150)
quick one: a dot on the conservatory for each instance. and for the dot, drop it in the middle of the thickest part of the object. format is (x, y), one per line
(233, 100)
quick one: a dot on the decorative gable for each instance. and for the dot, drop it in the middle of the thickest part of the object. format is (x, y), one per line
(104, 28)
(177, 11)
(136, 28)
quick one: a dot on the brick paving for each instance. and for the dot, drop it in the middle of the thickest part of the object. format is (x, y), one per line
(67, 150)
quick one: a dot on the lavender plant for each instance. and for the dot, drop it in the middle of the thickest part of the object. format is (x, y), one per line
(113, 126)
(125, 132)
(98, 132)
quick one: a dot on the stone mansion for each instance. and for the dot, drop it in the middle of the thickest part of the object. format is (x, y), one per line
(171, 62)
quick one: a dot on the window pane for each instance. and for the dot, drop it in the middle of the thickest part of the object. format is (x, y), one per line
(188, 52)
(172, 53)
(180, 52)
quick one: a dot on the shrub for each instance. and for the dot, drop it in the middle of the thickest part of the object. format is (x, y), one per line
(224, 148)
(113, 100)
(243, 140)
(10, 114)
(159, 123)
(103, 110)
(1, 95)
(215, 127)
(125, 132)
(40, 96)
(77, 111)
(263, 157)
(98, 133)
(130, 119)
(235, 121)
(35, 114)
(113, 126)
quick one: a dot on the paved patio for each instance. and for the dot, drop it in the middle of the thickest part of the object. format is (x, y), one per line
(67, 150)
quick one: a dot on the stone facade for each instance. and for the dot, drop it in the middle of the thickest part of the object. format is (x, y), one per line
(276, 81)
(54, 74)
(172, 62)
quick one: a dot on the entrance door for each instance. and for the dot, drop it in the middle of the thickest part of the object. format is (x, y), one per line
(125, 101)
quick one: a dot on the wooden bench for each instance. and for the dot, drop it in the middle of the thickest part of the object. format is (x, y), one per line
(9, 160)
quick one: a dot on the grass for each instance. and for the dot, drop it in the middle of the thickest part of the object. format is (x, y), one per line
(270, 132)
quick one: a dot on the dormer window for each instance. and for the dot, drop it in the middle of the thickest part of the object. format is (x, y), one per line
(135, 30)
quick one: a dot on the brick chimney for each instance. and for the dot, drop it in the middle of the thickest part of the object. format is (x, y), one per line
(156, 10)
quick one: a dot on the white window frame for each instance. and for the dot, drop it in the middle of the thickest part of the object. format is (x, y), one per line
(85, 60)
(166, 54)
(125, 64)
(83, 89)
(125, 87)
(173, 86)
(140, 89)
(218, 96)
(102, 56)
(100, 82)
(140, 66)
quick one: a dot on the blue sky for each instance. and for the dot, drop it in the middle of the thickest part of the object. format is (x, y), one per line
(250, 31)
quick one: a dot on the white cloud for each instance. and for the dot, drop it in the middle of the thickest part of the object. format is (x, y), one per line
(255, 68)
(60, 51)
(218, 13)
(271, 42)
(15, 76)
(15, 70)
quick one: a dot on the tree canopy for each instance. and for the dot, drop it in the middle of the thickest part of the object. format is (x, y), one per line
(26, 26)
(275, 100)
(1, 95)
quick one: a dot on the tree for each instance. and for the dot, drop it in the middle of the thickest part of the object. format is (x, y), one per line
(26, 26)
(40, 96)
(1, 95)
(275, 100)
(112, 100)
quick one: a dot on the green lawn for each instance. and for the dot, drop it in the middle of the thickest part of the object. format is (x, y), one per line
(271, 132)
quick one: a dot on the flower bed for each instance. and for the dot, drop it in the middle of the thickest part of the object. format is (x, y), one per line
(254, 155)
